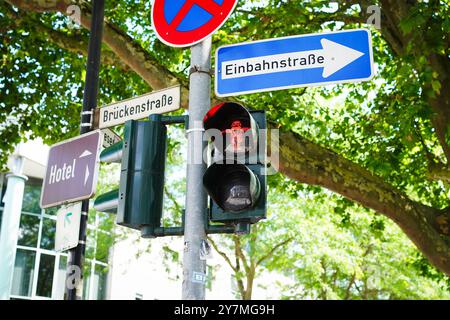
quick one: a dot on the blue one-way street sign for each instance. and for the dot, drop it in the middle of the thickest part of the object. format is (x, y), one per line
(297, 61)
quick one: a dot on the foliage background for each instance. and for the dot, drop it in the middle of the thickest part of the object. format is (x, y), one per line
(386, 126)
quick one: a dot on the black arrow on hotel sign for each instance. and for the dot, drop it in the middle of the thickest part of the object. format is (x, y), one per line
(72, 170)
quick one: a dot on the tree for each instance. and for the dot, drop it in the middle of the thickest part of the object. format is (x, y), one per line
(385, 148)
(315, 244)
(326, 250)
(346, 252)
(245, 265)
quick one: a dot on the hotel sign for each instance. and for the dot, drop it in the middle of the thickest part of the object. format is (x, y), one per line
(72, 169)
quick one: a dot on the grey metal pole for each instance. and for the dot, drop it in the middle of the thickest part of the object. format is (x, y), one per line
(194, 269)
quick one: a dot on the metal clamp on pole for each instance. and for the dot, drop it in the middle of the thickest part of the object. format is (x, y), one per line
(194, 129)
(197, 68)
(89, 114)
(186, 134)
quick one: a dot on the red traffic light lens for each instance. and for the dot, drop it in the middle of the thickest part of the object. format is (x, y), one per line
(235, 138)
(224, 115)
(239, 130)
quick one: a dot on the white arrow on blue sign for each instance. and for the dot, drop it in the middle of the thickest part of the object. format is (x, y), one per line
(291, 62)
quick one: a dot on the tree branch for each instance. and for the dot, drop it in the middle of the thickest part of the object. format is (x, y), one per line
(240, 254)
(171, 197)
(75, 42)
(395, 12)
(126, 48)
(438, 172)
(223, 254)
(350, 284)
(237, 274)
(272, 251)
(304, 161)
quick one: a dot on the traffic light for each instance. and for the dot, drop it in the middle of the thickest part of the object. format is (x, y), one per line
(139, 199)
(236, 180)
(142, 175)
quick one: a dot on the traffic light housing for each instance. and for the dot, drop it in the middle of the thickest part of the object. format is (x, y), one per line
(139, 200)
(236, 180)
(141, 187)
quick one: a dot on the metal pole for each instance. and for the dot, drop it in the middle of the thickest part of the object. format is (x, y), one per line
(194, 269)
(74, 283)
(10, 226)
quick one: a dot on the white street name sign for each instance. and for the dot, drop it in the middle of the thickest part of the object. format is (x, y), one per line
(156, 102)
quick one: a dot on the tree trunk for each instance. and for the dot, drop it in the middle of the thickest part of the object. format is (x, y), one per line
(249, 288)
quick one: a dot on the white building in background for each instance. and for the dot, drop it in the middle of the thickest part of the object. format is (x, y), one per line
(38, 270)
(132, 268)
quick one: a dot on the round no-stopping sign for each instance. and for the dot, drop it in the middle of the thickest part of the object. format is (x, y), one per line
(182, 23)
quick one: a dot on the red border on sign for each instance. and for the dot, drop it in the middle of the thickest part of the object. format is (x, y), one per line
(168, 34)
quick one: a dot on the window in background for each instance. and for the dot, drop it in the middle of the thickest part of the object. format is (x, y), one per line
(90, 243)
(87, 279)
(39, 270)
(52, 211)
(23, 273)
(45, 276)
(32, 196)
(29, 230)
(104, 241)
(100, 282)
(60, 278)
(48, 234)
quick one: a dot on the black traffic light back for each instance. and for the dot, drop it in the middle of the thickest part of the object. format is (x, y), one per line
(142, 175)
